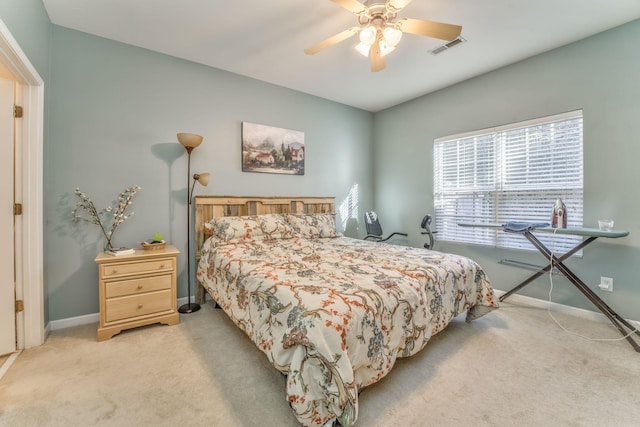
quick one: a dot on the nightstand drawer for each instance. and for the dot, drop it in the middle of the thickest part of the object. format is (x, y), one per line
(137, 289)
(137, 286)
(111, 270)
(137, 305)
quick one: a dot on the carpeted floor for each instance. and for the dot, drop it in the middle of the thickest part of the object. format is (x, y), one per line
(513, 367)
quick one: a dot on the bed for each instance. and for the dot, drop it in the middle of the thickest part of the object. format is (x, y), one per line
(330, 312)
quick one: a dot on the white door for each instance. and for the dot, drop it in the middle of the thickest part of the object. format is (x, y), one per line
(7, 263)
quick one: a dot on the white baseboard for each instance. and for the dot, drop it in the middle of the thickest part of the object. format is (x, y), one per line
(560, 308)
(69, 322)
(74, 321)
(515, 298)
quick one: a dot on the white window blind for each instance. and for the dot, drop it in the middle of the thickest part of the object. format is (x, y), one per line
(509, 173)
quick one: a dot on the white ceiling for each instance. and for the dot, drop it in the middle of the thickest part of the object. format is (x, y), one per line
(265, 39)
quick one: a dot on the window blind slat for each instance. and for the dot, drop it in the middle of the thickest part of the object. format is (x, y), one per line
(514, 173)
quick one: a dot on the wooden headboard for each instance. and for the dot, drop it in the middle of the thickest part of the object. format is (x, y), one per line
(208, 207)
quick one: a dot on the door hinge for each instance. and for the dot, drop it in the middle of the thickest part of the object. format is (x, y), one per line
(17, 208)
(19, 306)
(17, 111)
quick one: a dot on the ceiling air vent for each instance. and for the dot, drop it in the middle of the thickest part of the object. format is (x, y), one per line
(448, 45)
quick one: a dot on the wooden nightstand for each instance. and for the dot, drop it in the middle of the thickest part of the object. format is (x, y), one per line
(137, 290)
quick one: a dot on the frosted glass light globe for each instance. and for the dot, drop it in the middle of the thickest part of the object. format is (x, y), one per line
(392, 35)
(368, 35)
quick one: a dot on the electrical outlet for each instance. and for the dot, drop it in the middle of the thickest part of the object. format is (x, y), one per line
(606, 284)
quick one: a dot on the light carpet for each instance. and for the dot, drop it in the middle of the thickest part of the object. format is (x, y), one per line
(513, 367)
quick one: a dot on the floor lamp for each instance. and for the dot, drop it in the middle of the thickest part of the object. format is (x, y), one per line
(190, 141)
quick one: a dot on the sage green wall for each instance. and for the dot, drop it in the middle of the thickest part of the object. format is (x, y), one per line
(114, 112)
(30, 26)
(598, 75)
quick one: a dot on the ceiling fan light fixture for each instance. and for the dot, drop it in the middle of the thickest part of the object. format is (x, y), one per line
(385, 48)
(363, 49)
(368, 35)
(379, 31)
(392, 35)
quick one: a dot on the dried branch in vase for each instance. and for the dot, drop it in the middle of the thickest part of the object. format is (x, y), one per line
(109, 218)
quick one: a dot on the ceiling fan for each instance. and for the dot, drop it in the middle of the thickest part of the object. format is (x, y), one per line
(380, 31)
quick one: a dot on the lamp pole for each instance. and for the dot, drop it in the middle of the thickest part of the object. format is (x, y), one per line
(189, 307)
(189, 141)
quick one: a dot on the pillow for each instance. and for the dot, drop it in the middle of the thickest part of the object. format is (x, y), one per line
(313, 226)
(227, 228)
(275, 227)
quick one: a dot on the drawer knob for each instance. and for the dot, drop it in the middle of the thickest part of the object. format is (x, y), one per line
(139, 305)
(114, 271)
(140, 287)
(161, 266)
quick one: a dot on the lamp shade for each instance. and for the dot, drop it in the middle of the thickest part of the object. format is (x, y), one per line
(368, 35)
(189, 140)
(202, 178)
(363, 49)
(392, 35)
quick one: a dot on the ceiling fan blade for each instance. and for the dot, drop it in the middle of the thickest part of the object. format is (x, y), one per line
(352, 5)
(397, 5)
(332, 40)
(430, 28)
(378, 62)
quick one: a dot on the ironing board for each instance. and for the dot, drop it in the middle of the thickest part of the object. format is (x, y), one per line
(590, 234)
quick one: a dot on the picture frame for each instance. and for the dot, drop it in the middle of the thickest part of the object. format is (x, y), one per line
(269, 149)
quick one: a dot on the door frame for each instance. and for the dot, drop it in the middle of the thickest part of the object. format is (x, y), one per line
(30, 324)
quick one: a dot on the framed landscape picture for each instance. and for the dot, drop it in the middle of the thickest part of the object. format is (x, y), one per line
(271, 149)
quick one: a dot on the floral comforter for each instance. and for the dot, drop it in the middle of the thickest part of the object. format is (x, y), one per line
(333, 314)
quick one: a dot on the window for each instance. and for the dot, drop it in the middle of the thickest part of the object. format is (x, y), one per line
(349, 210)
(509, 173)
